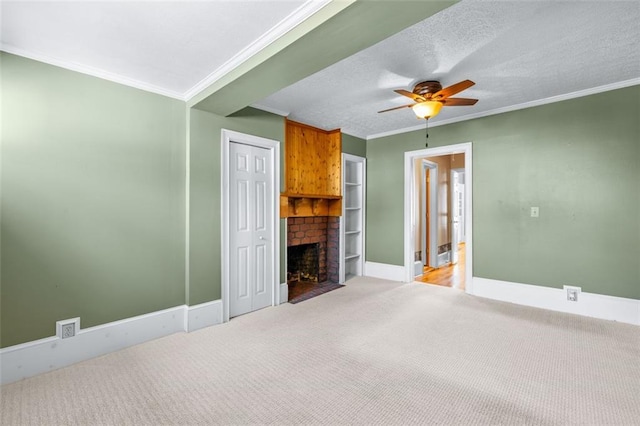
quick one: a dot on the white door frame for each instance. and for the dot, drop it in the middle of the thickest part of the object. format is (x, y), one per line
(453, 207)
(229, 136)
(410, 202)
(433, 212)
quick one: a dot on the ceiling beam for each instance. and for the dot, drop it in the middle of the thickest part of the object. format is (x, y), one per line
(340, 29)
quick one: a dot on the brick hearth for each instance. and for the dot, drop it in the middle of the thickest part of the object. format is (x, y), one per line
(323, 230)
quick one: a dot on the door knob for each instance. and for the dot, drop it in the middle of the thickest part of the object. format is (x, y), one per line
(262, 238)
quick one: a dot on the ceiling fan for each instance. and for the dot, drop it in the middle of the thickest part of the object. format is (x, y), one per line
(430, 97)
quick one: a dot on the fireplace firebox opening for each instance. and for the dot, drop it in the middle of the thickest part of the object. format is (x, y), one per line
(303, 263)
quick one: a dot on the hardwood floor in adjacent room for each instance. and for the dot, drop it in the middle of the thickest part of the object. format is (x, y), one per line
(452, 275)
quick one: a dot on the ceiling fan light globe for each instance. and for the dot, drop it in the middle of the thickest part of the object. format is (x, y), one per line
(427, 109)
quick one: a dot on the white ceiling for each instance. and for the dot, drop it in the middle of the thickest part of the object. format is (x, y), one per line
(167, 47)
(519, 53)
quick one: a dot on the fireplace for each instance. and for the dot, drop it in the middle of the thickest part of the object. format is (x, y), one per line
(303, 263)
(322, 232)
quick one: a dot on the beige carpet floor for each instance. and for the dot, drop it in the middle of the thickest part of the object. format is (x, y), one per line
(375, 352)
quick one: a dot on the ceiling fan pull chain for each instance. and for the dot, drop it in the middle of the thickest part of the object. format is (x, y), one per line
(427, 131)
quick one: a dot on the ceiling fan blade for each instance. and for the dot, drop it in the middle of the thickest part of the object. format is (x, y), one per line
(458, 101)
(400, 107)
(411, 95)
(452, 90)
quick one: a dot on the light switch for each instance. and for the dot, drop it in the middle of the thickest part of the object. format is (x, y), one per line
(535, 212)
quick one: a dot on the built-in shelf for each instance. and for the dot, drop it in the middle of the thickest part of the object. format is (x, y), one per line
(312, 196)
(301, 205)
(352, 223)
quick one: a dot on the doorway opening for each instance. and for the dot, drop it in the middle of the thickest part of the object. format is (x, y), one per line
(438, 237)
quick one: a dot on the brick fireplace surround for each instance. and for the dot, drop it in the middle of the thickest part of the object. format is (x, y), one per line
(324, 230)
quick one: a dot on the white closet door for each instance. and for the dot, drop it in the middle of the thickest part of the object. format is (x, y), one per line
(250, 228)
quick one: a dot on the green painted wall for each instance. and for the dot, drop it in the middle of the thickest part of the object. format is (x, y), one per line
(92, 219)
(205, 237)
(354, 145)
(578, 160)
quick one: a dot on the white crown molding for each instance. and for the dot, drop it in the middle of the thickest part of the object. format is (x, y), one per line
(294, 19)
(95, 72)
(348, 131)
(351, 133)
(538, 102)
(396, 132)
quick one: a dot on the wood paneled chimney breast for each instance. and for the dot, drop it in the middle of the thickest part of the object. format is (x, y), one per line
(313, 175)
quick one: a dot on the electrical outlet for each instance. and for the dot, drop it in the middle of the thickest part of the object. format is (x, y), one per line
(67, 328)
(535, 211)
(572, 293)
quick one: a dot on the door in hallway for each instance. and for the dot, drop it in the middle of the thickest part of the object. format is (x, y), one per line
(251, 255)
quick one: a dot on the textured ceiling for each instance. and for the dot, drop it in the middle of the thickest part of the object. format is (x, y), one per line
(168, 47)
(518, 53)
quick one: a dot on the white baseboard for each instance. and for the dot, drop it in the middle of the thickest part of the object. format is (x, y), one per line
(51, 353)
(48, 354)
(384, 271)
(444, 258)
(203, 315)
(417, 268)
(588, 304)
(284, 293)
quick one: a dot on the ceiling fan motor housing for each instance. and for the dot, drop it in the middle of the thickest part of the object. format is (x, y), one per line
(427, 88)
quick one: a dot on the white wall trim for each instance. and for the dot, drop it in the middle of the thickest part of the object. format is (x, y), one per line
(409, 205)
(227, 137)
(444, 258)
(48, 354)
(187, 209)
(384, 271)
(418, 269)
(589, 304)
(203, 315)
(284, 293)
(524, 105)
(294, 19)
(40, 356)
(94, 72)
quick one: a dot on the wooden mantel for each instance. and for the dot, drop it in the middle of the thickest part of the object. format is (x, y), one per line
(313, 175)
